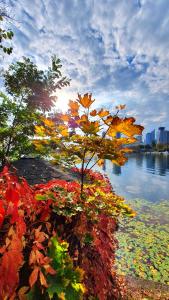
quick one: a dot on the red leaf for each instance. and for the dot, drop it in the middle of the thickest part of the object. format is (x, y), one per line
(2, 214)
(12, 195)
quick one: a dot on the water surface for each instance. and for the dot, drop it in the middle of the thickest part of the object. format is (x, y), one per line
(144, 176)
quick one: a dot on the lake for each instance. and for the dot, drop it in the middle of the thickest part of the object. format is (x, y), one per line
(144, 176)
(143, 241)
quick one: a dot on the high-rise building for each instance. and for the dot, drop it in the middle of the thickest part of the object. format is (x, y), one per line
(161, 136)
(166, 137)
(150, 138)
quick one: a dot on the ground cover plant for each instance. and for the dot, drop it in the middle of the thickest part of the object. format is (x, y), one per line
(143, 242)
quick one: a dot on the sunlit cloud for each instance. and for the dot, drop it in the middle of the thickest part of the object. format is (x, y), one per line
(114, 49)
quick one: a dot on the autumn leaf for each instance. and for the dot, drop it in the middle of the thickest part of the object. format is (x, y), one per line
(34, 276)
(2, 214)
(40, 130)
(61, 296)
(74, 106)
(12, 195)
(103, 113)
(85, 100)
(93, 113)
(43, 279)
(48, 122)
(121, 106)
(64, 117)
(100, 162)
(90, 127)
(49, 269)
(125, 126)
(22, 293)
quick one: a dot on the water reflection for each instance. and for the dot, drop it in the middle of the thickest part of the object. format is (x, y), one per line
(116, 169)
(143, 176)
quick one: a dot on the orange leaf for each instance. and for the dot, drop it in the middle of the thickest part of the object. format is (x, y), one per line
(64, 133)
(43, 280)
(93, 113)
(86, 100)
(103, 113)
(64, 118)
(73, 105)
(48, 122)
(49, 269)
(32, 257)
(34, 276)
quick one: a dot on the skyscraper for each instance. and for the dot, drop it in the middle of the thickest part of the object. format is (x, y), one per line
(150, 138)
(161, 136)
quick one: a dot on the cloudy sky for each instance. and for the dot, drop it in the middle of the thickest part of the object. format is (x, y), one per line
(116, 49)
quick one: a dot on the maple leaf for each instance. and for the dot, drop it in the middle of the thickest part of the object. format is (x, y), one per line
(125, 126)
(85, 100)
(103, 113)
(12, 195)
(74, 106)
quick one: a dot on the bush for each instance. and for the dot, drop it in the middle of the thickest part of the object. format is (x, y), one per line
(64, 245)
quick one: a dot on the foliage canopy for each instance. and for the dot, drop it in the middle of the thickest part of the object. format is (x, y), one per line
(87, 136)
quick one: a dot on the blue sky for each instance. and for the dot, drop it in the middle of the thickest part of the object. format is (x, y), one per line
(116, 49)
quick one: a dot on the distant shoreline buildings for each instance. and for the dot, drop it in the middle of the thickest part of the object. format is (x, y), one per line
(161, 136)
(155, 137)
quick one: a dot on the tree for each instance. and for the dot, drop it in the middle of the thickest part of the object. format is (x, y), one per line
(87, 137)
(33, 87)
(16, 129)
(5, 35)
(31, 95)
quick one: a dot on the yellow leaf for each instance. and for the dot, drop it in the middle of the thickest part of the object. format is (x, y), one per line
(85, 100)
(43, 280)
(40, 130)
(62, 296)
(48, 122)
(125, 126)
(64, 132)
(100, 162)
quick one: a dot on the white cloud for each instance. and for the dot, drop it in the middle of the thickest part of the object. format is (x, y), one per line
(115, 49)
